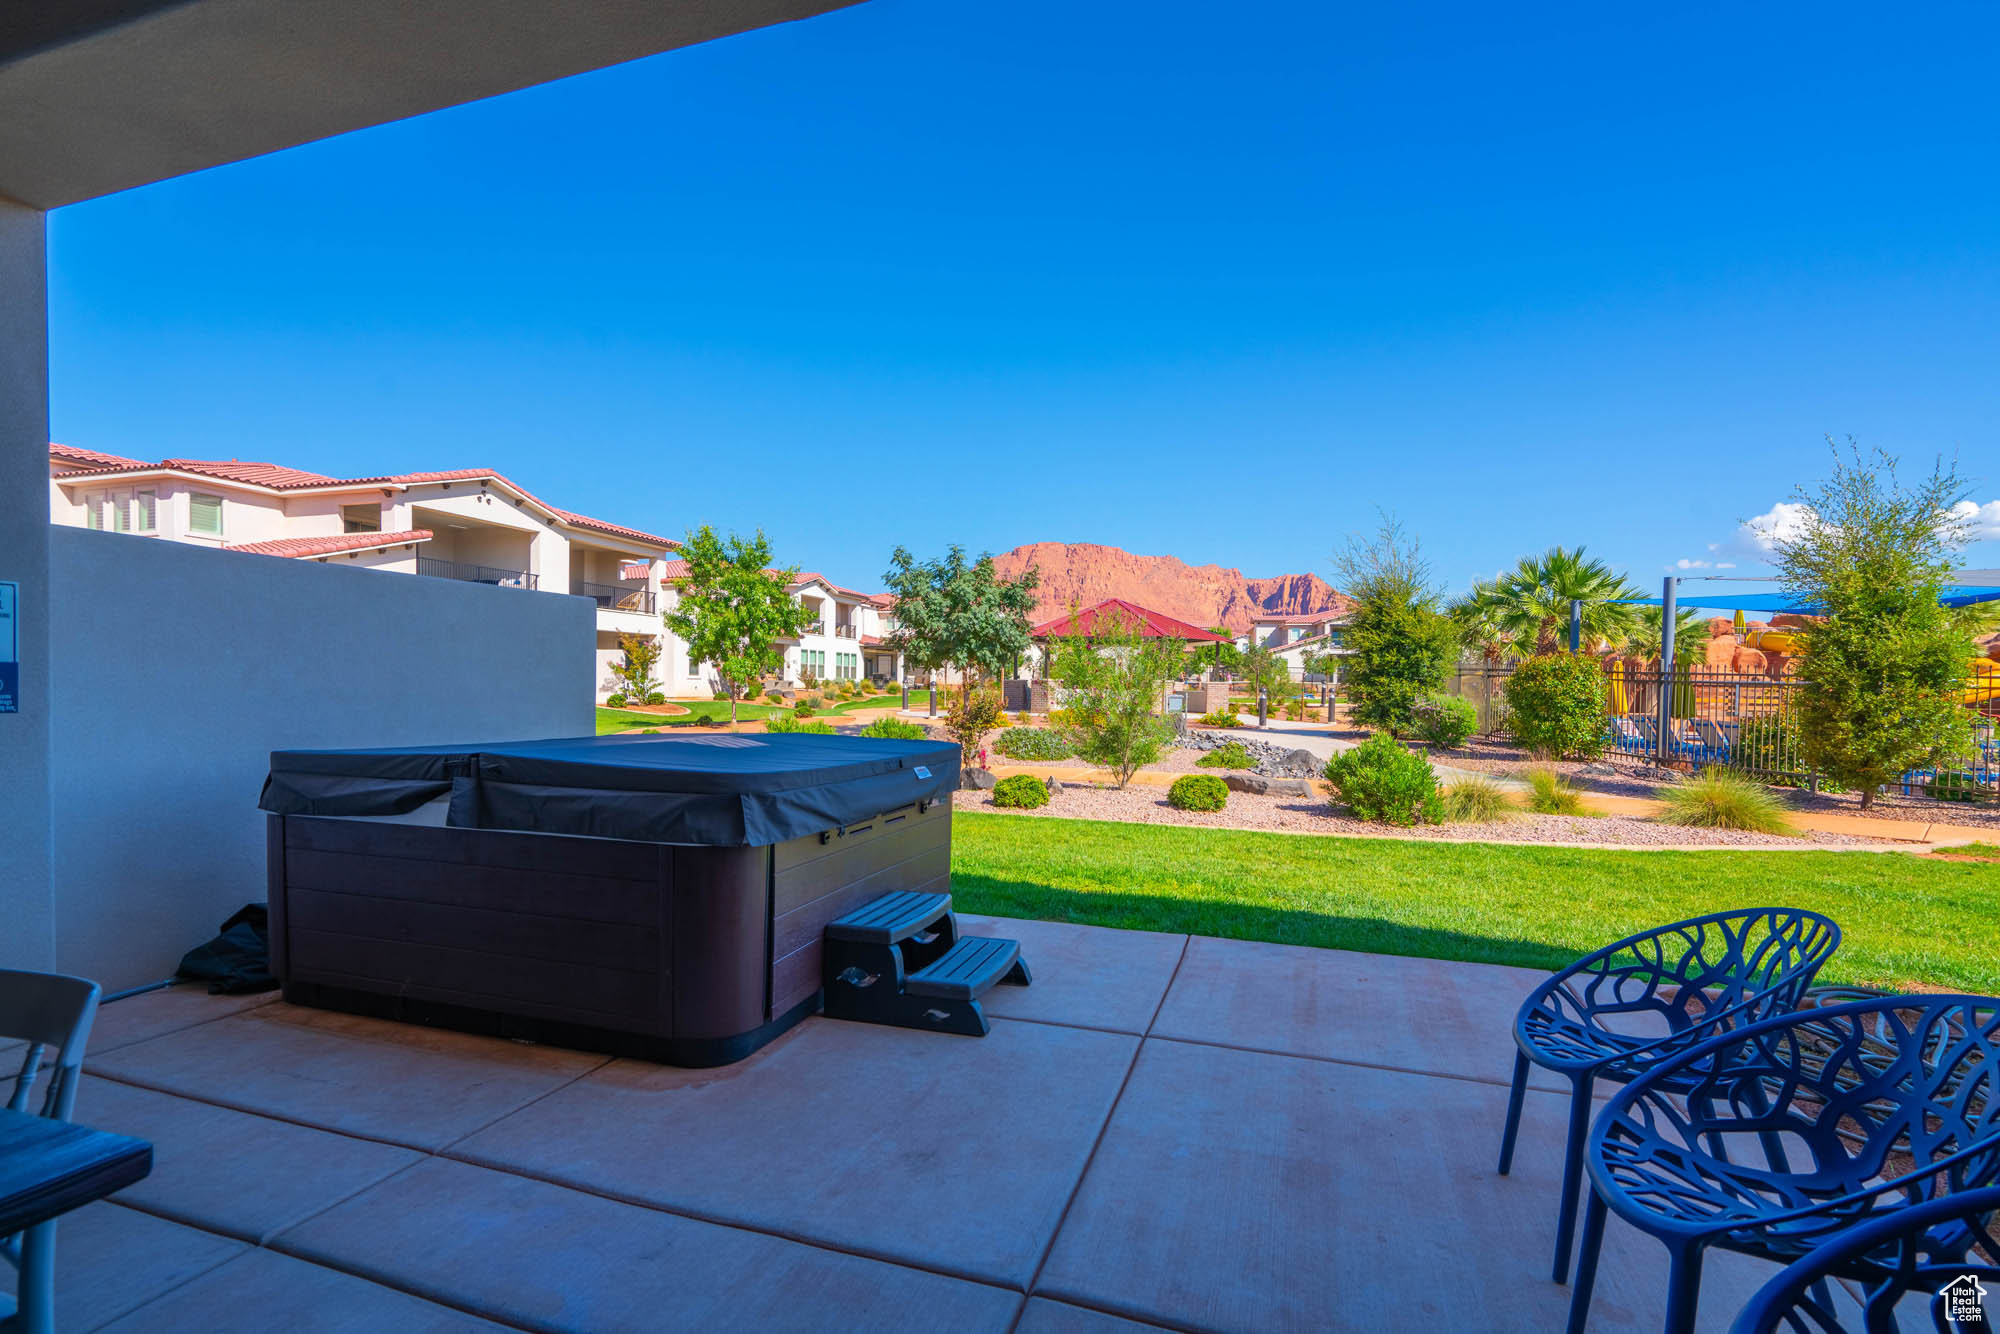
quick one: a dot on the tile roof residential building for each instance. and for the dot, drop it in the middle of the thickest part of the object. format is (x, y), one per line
(89, 458)
(1151, 624)
(468, 524)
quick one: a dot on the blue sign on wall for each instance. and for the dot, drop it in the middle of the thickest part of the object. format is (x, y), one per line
(10, 647)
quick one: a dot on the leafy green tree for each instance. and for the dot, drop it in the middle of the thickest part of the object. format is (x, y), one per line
(734, 609)
(1402, 645)
(1113, 683)
(955, 612)
(1529, 604)
(1881, 677)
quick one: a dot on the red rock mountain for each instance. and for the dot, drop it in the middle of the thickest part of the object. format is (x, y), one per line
(1081, 573)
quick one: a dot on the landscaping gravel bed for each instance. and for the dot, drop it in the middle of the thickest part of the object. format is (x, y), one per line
(1273, 761)
(1142, 805)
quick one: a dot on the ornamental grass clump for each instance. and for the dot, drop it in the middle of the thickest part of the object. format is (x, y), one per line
(1020, 792)
(1198, 792)
(1226, 717)
(1549, 793)
(1719, 799)
(1478, 801)
(1380, 780)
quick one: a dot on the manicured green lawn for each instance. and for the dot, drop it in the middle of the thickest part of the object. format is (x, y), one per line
(624, 720)
(1904, 919)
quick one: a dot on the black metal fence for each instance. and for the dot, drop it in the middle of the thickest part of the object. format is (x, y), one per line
(1736, 721)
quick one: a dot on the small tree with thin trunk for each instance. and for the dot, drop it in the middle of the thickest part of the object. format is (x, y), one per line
(1882, 675)
(734, 609)
(1113, 682)
(635, 671)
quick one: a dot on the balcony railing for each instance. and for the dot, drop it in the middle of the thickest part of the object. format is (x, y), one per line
(846, 632)
(617, 597)
(475, 574)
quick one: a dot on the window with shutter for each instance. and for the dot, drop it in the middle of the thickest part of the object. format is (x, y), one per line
(93, 510)
(121, 513)
(205, 515)
(143, 512)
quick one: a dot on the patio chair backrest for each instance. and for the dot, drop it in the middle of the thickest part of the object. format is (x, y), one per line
(1791, 1302)
(1701, 976)
(1891, 1088)
(47, 1010)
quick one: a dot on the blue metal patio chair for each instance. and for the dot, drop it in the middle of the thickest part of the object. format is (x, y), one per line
(1627, 1008)
(1883, 1102)
(1906, 1241)
(44, 1010)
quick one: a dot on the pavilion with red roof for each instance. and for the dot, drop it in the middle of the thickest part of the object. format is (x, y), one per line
(1118, 612)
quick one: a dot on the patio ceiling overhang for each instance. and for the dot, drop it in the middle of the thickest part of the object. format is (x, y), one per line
(98, 96)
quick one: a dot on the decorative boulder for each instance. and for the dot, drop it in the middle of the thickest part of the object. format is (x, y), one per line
(1719, 652)
(976, 780)
(1259, 786)
(1721, 627)
(1749, 661)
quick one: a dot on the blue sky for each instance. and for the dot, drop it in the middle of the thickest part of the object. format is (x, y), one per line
(1173, 277)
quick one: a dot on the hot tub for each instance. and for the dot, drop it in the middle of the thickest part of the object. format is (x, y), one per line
(660, 897)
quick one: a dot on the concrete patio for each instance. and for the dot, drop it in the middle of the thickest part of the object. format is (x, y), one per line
(1163, 1132)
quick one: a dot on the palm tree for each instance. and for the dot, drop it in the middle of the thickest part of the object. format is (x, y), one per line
(1530, 603)
(1643, 639)
(1477, 617)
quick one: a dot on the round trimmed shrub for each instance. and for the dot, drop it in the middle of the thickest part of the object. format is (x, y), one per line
(1382, 781)
(615, 701)
(802, 710)
(1198, 792)
(1021, 792)
(1555, 704)
(1445, 721)
(657, 697)
(1033, 743)
(894, 729)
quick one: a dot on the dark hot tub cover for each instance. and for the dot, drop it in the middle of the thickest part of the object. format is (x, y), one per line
(714, 790)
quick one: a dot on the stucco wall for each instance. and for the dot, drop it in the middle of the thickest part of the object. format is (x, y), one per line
(26, 920)
(182, 668)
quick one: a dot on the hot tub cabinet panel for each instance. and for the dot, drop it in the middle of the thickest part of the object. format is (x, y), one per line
(689, 955)
(686, 953)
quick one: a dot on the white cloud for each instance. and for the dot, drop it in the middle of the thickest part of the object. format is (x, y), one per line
(1787, 519)
(1685, 564)
(1982, 522)
(1782, 522)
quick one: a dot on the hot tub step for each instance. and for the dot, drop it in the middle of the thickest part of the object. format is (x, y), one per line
(900, 960)
(890, 918)
(970, 969)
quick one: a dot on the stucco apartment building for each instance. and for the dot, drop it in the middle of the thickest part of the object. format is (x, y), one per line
(1295, 638)
(472, 524)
